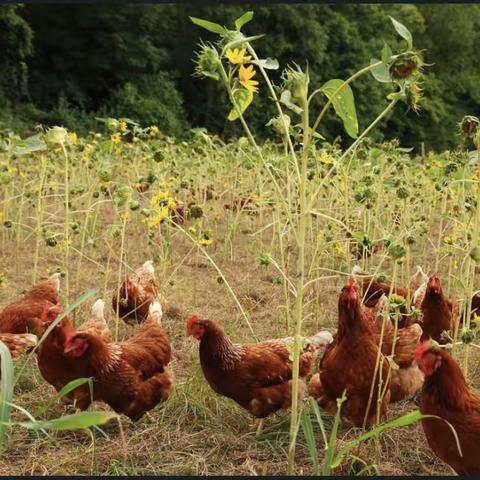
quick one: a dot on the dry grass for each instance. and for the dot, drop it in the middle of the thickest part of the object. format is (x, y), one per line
(195, 431)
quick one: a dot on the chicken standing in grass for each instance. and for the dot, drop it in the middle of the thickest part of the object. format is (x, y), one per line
(138, 291)
(131, 376)
(400, 343)
(446, 395)
(438, 312)
(348, 365)
(23, 315)
(256, 376)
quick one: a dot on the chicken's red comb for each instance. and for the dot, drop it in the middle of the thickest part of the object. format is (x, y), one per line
(191, 320)
(422, 347)
(45, 312)
(351, 283)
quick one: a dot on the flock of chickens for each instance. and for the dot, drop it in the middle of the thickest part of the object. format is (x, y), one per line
(375, 357)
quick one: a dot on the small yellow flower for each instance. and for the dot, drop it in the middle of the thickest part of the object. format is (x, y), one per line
(72, 136)
(245, 78)
(205, 241)
(326, 158)
(237, 56)
(340, 248)
(122, 126)
(191, 230)
(154, 130)
(116, 138)
(257, 198)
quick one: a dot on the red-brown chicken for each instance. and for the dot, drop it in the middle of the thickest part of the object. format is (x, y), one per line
(23, 315)
(18, 343)
(56, 368)
(131, 376)
(349, 364)
(256, 376)
(438, 312)
(138, 291)
(407, 380)
(446, 394)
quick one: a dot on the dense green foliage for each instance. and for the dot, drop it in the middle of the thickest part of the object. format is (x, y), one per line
(67, 65)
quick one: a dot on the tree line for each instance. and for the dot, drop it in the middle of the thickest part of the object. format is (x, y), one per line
(67, 64)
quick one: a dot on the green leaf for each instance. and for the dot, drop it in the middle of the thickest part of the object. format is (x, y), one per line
(286, 99)
(403, 31)
(240, 40)
(244, 19)
(343, 103)
(400, 422)
(29, 145)
(327, 461)
(243, 98)
(71, 422)
(386, 52)
(267, 63)
(7, 383)
(210, 26)
(380, 73)
(307, 428)
(70, 386)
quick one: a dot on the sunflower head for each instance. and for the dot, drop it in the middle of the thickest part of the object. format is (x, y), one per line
(296, 81)
(469, 126)
(245, 75)
(207, 62)
(406, 65)
(237, 56)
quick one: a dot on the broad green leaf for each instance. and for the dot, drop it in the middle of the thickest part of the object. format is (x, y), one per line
(240, 41)
(267, 63)
(343, 103)
(210, 26)
(286, 99)
(403, 31)
(244, 19)
(70, 386)
(71, 422)
(243, 98)
(29, 145)
(7, 383)
(381, 72)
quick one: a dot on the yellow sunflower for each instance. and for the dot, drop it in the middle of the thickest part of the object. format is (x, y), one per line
(237, 56)
(245, 75)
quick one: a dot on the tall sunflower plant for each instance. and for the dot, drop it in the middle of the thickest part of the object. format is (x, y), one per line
(233, 61)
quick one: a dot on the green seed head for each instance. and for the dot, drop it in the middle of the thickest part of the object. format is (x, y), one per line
(207, 62)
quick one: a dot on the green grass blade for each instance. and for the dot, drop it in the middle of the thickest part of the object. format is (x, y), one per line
(318, 416)
(7, 383)
(64, 391)
(71, 422)
(400, 422)
(327, 462)
(307, 428)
